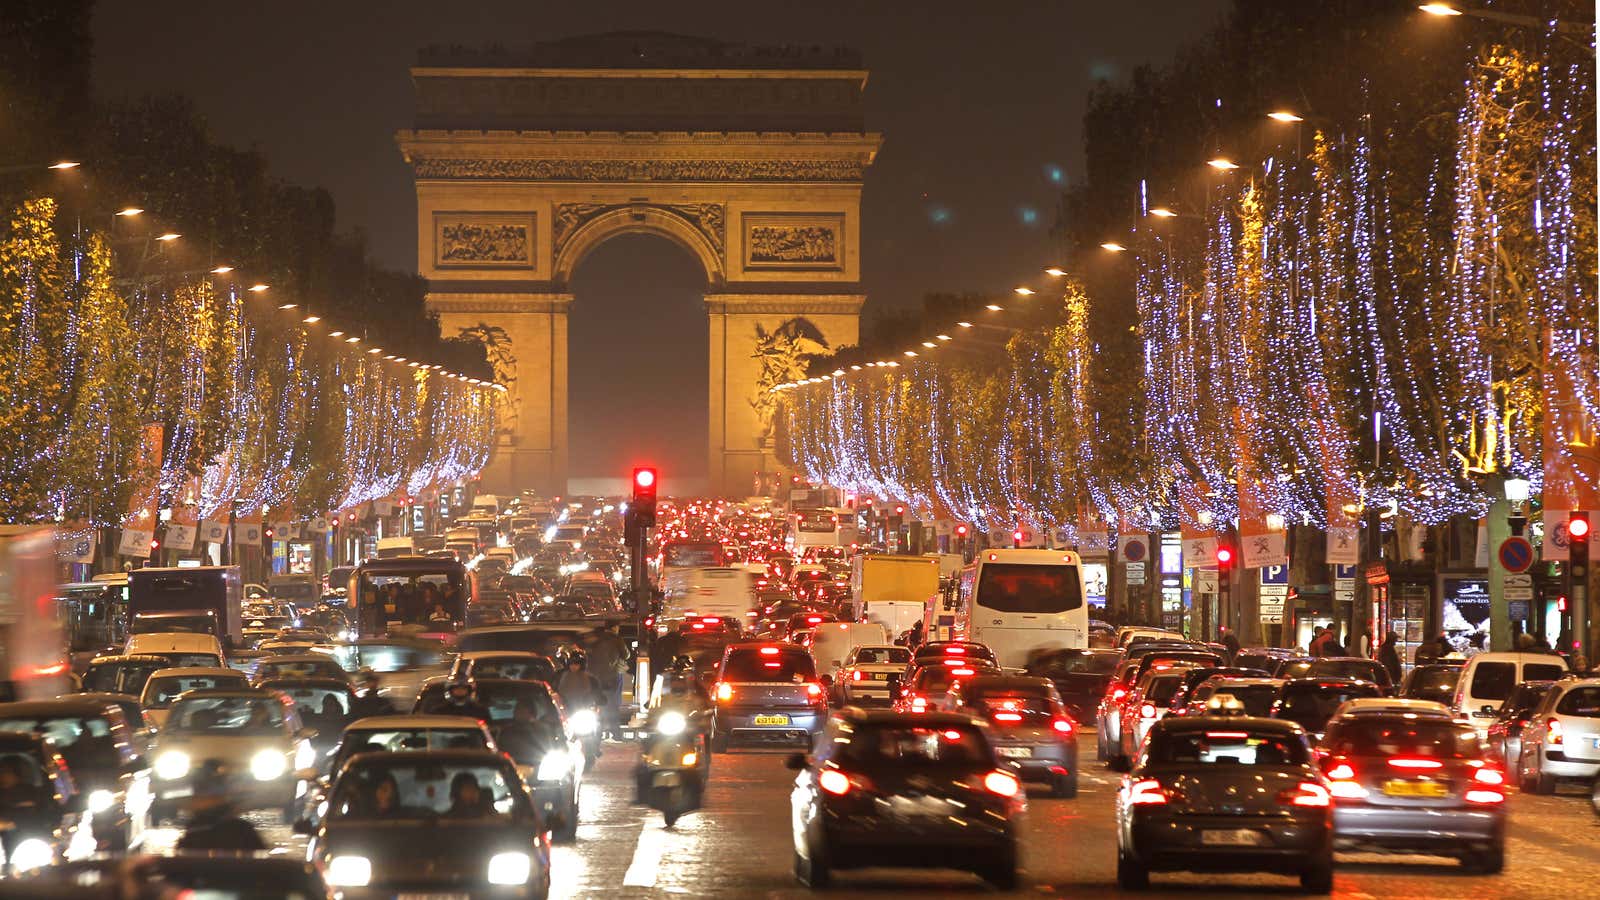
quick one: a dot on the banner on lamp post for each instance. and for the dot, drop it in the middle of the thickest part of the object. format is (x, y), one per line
(1094, 544)
(1259, 551)
(1344, 545)
(180, 537)
(214, 531)
(135, 542)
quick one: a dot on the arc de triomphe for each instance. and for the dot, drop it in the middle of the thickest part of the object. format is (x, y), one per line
(751, 159)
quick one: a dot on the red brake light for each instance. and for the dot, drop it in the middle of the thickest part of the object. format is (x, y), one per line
(918, 704)
(963, 671)
(834, 782)
(1064, 726)
(1306, 793)
(813, 689)
(955, 651)
(856, 675)
(1489, 776)
(1118, 693)
(1003, 783)
(1146, 793)
(1007, 717)
(698, 626)
(769, 651)
(1407, 762)
(1147, 711)
(1480, 795)
(710, 620)
(1553, 728)
(724, 691)
(1342, 772)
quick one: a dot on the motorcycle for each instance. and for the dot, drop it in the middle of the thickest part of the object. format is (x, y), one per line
(674, 766)
(584, 723)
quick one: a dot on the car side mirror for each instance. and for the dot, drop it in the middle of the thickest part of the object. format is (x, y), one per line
(795, 762)
(303, 826)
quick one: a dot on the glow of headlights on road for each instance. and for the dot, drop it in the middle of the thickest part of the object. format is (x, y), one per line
(349, 871)
(268, 764)
(510, 868)
(305, 755)
(584, 722)
(172, 765)
(31, 854)
(101, 800)
(671, 723)
(555, 766)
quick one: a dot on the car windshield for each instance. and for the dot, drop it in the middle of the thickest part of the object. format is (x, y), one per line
(1028, 588)
(915, 747)
(1525, 698)
(781, 665)
(312, 701)
(1225, 747)
(395, 740)
(86, 743)
(1583, 702)
(1405, 737)
(298, 668)
(882, 656)
(233, 715)
(516, 667)
(1432, 682)
(1082, 663)
(1161, 690)
(161, 692)
(501, 699)
(428, 788)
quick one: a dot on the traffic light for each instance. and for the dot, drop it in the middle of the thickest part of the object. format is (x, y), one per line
(1578, 544)
(1016, 538)
(961, 531)
(1224, 558)
(644, 496)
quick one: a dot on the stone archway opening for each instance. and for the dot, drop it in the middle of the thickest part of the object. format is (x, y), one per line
(637, 363)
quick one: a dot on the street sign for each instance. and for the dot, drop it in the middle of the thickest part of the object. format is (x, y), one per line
(1134, 550)
(1277, 574)
(1206, 581)
(1516, 554)
(1517, 587)
(1272, 609)
(1136, 573)
(1279, 591)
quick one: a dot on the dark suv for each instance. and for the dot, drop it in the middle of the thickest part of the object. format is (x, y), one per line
(767, 693)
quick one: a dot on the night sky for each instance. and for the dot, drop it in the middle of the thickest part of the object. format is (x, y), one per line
(980, 105)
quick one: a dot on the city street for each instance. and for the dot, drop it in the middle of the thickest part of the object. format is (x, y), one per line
(739, 846)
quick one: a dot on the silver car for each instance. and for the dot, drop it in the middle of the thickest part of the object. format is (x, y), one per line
(864, 678)
(1562, 737)
(252, 734)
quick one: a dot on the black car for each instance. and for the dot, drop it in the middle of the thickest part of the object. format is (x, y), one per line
(1080, 676)
(1350, 667)
(39, 800)
(1225, 794)
(892, 789)
(441, 823)
(1311, 702)
(1028, 725)
(1194, 677)
(1434, 681)
(1504, 738)
(182, 875)
(103, 754)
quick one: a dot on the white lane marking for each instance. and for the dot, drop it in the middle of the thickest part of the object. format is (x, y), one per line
(646, 857)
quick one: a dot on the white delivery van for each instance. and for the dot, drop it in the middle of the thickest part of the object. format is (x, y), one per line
(831, 642)
(893, 591)
(722, 591)
(1488, 679)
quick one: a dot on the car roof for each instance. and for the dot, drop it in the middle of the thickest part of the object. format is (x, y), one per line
(855, 715)
(378, 723)
(1393, 706)
(1202, 723)
(186, 671)
(55, 707)
(414, 757)
(1007, 681)
(302, 657)
(325, 680)
(1243, 681)
(128, 657)
(1327, 681)
(259, 693)
(502, 654)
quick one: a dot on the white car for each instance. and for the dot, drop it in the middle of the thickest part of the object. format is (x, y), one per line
(863, 680)
(255, 736)
(165, 686)
(1562, 737)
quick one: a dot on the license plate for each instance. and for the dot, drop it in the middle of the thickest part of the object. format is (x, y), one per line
(667, 779)
(1015, 752)
(1232, 837)
(1415, 789)
(772, 720)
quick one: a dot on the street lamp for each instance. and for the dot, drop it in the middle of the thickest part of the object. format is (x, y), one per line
(1162, 212)
(1284, 116)
(1222, 164)
(222, 270)
(1439, 9)
(64, 164)
(257, 288)
(1113, 246)
(129, 211)
(1024, 291)
(1055, 271)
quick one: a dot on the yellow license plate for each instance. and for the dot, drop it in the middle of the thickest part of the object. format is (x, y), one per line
(1415, 789)
(772, 720)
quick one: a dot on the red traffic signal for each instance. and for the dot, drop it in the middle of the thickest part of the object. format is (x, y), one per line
(1224, 557)
(644, 478)
(1578, 526)
(961, 531)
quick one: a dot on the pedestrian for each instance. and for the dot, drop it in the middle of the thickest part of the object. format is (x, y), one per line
(1389, 655)
(1319, 641)
(915, 636)
(1231, 641)
(1525, 641)
(608, 663)
(369, 702)
(1330, 643)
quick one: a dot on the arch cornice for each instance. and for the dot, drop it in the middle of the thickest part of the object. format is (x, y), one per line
(592, 225)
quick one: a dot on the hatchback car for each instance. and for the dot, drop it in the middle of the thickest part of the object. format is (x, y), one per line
(102, 754)
(1080, 677)
(1434, 681)
(1311, 702)
(433, 823)
(1225, 794)
(249, 731)
(1505, 732)
(1414, 781)
(1028, 725)
(1356, 667)
(766, 693)
(890, 789)
(1562, 737)
(864, 678)
(929, 682)
(166, 685)
(1256, 695)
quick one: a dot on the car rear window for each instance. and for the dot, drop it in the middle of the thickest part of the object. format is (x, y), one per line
(1226, 747)
(1161, 690)
(1256, 698)
(1543, 672)
(937, 679)
(784, 665)
(1024, 705)
(1430, 683)
(1028, 588)
(1583, 702)
(920, 747)
(1400, 737)
(881, 656)
(1311, 705)
(1350, 668)
(1493, 680)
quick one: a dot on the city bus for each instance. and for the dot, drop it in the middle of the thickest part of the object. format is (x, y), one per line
(824, 527)
(1021, 602)
(401, 593)
(692, 555)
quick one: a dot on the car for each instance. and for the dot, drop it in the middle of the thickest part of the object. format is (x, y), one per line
(1254, 694)
(766, 693)
(1264, 658)
(394, 734)
(1504, 739)
(1488, 679)
(1430, 681)
(323, 704)
(401, 664)
(165, 685)
(1080, 677)
(1311, 702)
(180, 875)
(121, 673)
(1028, 725)
(1225, 794)
(937, 650)
(42, 810)
(1350, 667)
(102, 753)
(297, 665)
(1108, 713)
(252, 732)
(1194, 677)
(516, 664)
(1148, 703)
(1127, 634)
(1410, 779)
(931, 680)
(1562, 737)
(892, 789)
(864, 679)
(382, 834)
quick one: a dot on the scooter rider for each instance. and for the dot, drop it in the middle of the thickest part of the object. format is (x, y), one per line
(678, 718)
(214, 822)
(460, 700)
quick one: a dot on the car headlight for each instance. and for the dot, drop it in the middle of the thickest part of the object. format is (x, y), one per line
(268, 764)
(671, 723)
(584, 721)
(554, 766)
(101, 800)
(172, 765)
(31, 854)
(348, 871)
(510, 868)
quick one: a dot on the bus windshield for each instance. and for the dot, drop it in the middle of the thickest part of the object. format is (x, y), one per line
(692, 554)
(1029, 588)
(432, 596)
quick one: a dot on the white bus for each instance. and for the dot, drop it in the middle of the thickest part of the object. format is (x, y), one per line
(1019, 602)
(824, 527)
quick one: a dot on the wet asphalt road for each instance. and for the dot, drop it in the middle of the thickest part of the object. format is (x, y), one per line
(740, 846)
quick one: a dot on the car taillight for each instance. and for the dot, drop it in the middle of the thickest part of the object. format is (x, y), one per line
(1489, 776)
(1062, 726)
(1407, 762)
(1007, 717)
(813, 690)
(856, 675)
(1306, 793)
(1342, 772)
(918, 704)
(1553, 728)
(1118, 693)
(724, 691)
(1146, 793)
(1485, 795)
(1147, 711)
(1003, 783)
(955, 651)
(834, 782)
